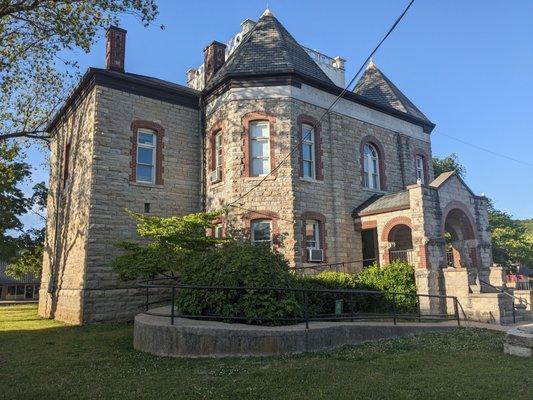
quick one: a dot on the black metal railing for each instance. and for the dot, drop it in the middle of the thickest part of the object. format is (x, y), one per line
(316, 304)
(348, 267)
(522, 303)
(449, 259)
(402, 255)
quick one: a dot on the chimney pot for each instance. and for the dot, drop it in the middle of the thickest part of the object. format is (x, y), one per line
(115, 48)
(214, 58)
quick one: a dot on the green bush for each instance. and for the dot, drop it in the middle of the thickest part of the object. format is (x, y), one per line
(239, 264)
(397, 277)
(323, 303)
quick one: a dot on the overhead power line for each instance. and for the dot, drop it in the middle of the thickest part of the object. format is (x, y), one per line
(486, 150)
(297, 145)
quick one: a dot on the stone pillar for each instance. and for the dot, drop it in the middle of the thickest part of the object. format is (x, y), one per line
(456, 284)
(427, 282)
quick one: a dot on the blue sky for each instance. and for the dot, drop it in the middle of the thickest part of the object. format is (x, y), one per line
(466, 64)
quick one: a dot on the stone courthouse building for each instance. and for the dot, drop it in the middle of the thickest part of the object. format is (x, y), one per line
(249, 133)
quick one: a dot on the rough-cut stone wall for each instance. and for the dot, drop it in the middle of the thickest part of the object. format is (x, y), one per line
(288, 194)
(275, 194)
(113, 190)
(66, 271)
(99, 191)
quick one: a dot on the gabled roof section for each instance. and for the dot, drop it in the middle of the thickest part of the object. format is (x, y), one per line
(379, 204)
(375, 86)
(269, 49)
(445, 177)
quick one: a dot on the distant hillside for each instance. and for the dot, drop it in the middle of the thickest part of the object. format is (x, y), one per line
(528, 223)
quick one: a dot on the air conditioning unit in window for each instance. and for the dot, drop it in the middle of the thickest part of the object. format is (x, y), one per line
(316, 255)
(216, 175)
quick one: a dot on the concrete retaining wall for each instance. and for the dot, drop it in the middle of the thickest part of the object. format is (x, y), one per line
(191, 338)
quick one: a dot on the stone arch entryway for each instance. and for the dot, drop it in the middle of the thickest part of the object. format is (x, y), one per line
(397, 240)
(461, 244)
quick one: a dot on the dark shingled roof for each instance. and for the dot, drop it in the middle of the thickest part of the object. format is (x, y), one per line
(374, 85)
(378, 204)
(268, 49)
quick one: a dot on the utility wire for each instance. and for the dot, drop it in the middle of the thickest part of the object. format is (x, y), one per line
(297, 145)
(485, 149)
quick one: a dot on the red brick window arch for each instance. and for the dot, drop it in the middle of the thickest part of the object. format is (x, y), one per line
(313, 235)
(310, 148)
(372, 163)
(147, 152)
(259, 141)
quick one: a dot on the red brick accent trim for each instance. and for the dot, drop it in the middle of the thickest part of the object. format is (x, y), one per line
(452, 205)
(371, 139)
(216, 128)
(361, 226)
(308, 120)
(421, 152)
(392, 223)
(246, 119)
(254, 215)
(423, 256)
(322, 233)
(221, 219)
(159, 157)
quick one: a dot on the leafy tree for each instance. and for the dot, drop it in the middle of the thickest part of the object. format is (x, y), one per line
(28, 259)
(13, 203)
(35, 35)
(449, 163)
(172, 242)
(511, 243)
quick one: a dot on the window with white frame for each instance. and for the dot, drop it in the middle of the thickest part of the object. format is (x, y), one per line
(260, 148)
(419, 160)
(146, 154)
(308, 151)
(261, 231)
(217, 230)
(371, 167)
(312, 234)
(217, 143)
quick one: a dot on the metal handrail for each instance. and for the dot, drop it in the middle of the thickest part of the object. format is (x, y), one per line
(330, 266)
(305, 291)
(507, 294)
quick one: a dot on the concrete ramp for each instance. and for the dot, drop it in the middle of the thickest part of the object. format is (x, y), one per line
(195, 338)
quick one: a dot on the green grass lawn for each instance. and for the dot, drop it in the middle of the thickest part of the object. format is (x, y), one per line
(44, 359)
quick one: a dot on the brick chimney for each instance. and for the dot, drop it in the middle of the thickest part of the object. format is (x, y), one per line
(214, 57)
(115, 48)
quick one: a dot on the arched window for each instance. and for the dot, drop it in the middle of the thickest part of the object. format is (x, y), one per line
(260, 148)
(420, 168)
(308, 151)
(371, 167)
(147, 152)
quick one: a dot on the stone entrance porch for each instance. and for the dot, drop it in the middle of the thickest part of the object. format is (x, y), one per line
(442, 230)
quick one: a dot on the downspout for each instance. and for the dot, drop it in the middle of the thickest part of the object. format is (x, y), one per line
(201, 122)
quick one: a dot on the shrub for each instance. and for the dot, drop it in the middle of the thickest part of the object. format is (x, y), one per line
(239, 264)
(397, 277)
(324, 302)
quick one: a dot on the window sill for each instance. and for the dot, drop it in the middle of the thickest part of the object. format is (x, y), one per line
(378, 191)
(258, 178)
(311, 180)
(146, 185)
(216, 184)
